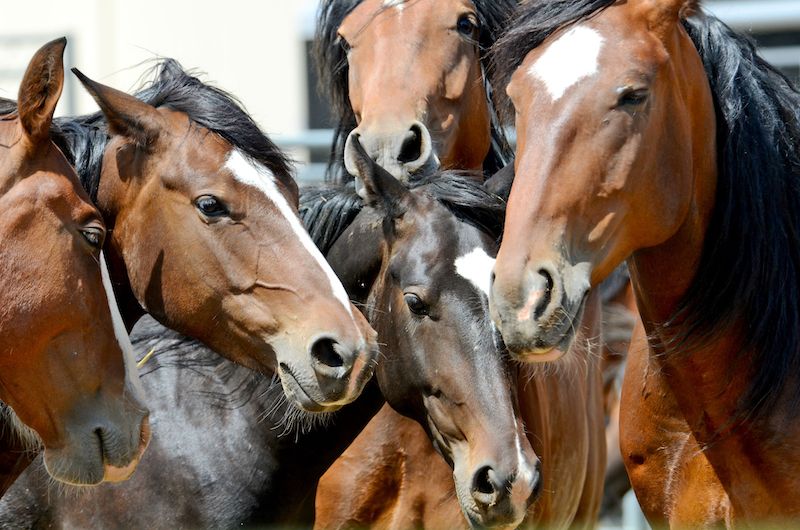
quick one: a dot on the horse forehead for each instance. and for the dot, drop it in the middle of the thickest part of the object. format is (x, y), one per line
(476, 266)
(570, 58)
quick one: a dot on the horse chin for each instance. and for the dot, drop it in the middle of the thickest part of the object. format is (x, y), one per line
(550, 344)
(296, 393)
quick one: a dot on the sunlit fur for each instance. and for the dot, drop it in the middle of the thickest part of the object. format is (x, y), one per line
(332, 69)
(749, 270)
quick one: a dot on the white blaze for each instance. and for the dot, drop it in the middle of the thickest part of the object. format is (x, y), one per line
(477, 268)
(572, 57)
(261, 178)
(131, 371)
(398, 4)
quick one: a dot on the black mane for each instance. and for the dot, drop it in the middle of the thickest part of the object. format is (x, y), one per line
(83, 139)
(328, 210)
(330, 60)
(748, 279)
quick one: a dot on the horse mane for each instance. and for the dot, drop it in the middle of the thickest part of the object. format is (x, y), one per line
(328, 210)
(748, 270)
(83, 139)
(330, 60)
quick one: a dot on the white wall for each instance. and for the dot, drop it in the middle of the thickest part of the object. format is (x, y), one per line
(252, 48)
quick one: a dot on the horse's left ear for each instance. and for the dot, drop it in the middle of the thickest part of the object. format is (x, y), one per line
(126, 115)
(664, 14)
(382, 189)
(40, 89)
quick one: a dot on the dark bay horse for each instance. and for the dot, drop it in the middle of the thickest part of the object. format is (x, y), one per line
(433, 316)
(671, 144)
(68, 380)
(205, 236)
(408, 77)
(392, 467)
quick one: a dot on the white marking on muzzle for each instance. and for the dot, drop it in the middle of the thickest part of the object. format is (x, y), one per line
(476, 266)
(261, 178)
(524, 470)
(571, 58)
(121, 333)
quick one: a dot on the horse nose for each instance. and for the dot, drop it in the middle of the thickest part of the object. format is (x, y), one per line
(402, 151)
(501, 495)
(488, 487)
(332, 364)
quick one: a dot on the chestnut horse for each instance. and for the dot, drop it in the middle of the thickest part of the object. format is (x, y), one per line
(68, 378)
(668, 142)
(408, 78)
(206, 238)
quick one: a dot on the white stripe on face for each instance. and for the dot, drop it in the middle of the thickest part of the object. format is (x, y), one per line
(131, 372)
(523, 467)
(261, 178)
(397, 4)
(477, 268)
(572, 57)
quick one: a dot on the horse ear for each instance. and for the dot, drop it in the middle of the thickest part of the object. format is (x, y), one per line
(40, 90)
(380, 186)
(664, 14)
(126, 115)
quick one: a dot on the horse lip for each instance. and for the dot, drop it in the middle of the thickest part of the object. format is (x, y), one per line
(543, 350)
(299, 394)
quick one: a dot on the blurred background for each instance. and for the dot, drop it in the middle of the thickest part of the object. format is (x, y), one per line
(257, 50)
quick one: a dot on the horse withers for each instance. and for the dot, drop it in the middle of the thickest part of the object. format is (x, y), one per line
(68, 379)
(650, 132)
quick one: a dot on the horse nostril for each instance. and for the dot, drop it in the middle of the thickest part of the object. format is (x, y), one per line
(544, 301)
(411, 150)
(324, 352)
(486, 488)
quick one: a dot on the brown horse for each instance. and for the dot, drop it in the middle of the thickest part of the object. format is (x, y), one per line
(408, 78)
(206, 236)
(67, 375)
(668, 142)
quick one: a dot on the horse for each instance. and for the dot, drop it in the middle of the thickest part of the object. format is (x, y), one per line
(670, 144)
(392, 466)
(68, 381)
(411, 122)
(430, 336)
(201, 208)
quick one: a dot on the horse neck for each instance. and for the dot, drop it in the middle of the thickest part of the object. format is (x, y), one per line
(707, 381)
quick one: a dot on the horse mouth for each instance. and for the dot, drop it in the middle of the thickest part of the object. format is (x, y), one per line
(295, 392)
(551, 342)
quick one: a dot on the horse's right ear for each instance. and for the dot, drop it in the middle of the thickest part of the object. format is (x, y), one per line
(126, 115)
(382, 189)
(40, 90)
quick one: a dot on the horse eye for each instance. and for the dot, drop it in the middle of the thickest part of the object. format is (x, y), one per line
(466, 26)
(416, 305)
(210, 206)
(94, 236)
(633, 97)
